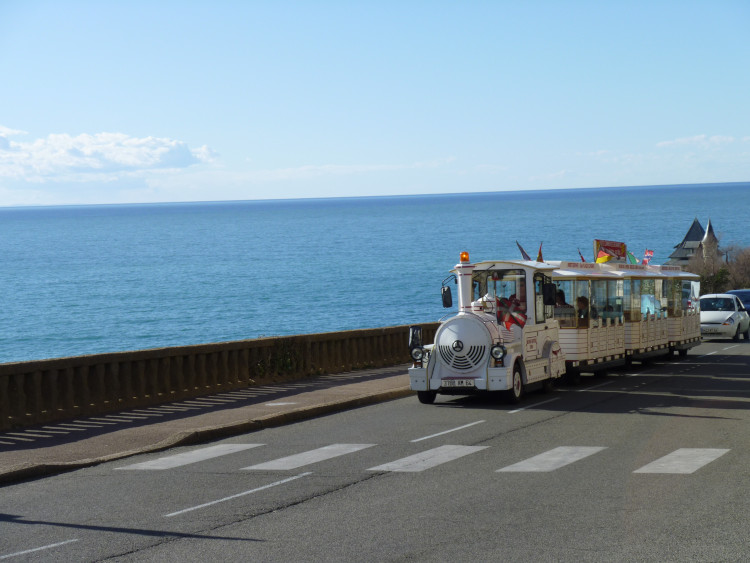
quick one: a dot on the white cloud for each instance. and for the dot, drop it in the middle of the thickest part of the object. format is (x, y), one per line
(98, 157)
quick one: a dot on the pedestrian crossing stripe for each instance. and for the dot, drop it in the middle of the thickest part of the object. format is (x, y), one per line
(193, 456)
(427, 459)
(307, 458)
(551, 460)
(683, 461)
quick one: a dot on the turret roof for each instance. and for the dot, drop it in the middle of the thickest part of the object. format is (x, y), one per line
(695, 233)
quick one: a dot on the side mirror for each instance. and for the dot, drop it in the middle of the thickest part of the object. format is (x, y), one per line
(447, 297)
(549, 291)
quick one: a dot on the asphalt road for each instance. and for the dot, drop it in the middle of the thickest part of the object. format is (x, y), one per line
(646, 464)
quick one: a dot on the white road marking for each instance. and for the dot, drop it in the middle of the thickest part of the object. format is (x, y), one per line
(194, 456)
(730, 347)
(448, 431)
(428, 459)
(306, 458)
(16, 554)
(683, 461)
(551, 460)
(242, 494)
(279, 404)
(595, 386)
(514, 411)
(709, 354)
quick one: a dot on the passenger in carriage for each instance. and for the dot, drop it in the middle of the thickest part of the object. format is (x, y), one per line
(560, 300)
(582, 307)
(582, 311)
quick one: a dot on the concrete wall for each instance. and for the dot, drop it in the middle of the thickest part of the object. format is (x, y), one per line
(52, 390)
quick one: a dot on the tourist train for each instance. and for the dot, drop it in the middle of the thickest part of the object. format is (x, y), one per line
(522, 324)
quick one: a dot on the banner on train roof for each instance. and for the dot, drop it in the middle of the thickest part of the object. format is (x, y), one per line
(616, 251)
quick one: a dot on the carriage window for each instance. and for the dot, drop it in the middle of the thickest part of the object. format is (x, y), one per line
(583, 303)
(674, 297)
(564, 312)
(573, 303)
(651, 298)
(542, 311)
(632, 300)
(608, 298)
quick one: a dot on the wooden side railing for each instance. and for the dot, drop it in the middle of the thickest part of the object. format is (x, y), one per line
(45, 391)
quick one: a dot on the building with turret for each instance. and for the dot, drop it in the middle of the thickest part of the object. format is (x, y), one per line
(695, 239)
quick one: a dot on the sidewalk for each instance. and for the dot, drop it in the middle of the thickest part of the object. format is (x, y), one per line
(55, 448)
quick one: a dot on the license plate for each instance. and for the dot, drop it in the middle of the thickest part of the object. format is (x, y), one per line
(457, 383)
(709, 330)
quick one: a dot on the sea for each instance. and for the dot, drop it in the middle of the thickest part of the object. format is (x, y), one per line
(80, 280)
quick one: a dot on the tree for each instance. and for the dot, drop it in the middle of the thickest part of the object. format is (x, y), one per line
(739, 268)
(712, 269)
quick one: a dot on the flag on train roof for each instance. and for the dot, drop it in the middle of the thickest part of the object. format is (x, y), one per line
(524, 254)
(603, 257)
(616, 251)
(647, 256)
(581, 255)
(539, 255)
(632, 259)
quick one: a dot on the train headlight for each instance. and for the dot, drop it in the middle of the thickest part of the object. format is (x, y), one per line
(498, 351)
(417, 354)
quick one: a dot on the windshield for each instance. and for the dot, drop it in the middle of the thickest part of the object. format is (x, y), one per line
(717, 304)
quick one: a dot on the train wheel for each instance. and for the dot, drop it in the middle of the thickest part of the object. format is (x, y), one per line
(426, 397)
(548, 386)
(573, 376)
(516, 391)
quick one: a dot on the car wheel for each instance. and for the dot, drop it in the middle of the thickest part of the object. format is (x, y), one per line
(736, 336)
(426, 397)
(747, 333)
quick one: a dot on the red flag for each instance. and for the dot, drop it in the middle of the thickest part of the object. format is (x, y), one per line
(539, 256)
(603, 257)
(581, 255)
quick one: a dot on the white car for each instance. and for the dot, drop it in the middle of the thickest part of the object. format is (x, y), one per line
(723, 316)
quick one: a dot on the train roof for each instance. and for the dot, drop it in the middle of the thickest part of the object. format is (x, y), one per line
(618, 270)
(499, 264)
(607, 270)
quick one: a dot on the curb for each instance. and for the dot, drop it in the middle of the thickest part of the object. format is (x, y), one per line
(25, 472)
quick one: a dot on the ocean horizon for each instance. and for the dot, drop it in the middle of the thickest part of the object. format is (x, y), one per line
(387, 196)
(84, 279)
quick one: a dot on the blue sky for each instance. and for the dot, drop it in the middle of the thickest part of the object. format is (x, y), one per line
(123, 102)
